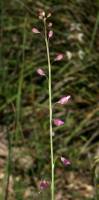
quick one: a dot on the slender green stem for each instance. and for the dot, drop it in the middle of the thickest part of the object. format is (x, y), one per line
(50, 110)
(8, 167)
(94, 31)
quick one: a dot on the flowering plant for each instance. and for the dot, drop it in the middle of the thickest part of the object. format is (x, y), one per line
(48, 34)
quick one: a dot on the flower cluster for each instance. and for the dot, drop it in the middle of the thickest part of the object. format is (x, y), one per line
(43, 16)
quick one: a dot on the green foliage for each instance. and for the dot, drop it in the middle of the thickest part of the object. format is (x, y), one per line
(24, 96)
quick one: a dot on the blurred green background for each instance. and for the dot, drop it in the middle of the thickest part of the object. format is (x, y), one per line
(24, 114)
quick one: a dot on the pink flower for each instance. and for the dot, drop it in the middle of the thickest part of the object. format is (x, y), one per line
(40, 72)
(64, 99)
(65, 161)
(58, 122)
(50, 34)
(59, 57)
(43, 184)
(35, 30)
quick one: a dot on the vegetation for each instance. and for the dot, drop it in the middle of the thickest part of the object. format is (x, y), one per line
(24, 111)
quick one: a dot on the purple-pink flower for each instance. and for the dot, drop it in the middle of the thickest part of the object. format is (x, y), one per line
(59, 57)
(58, 122)
(43, 184)
(50, 34)
(35, 30)
(65, 161)
(40, 72)
(64, 99)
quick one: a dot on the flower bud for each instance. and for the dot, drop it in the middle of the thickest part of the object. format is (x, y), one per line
(50, 34)
(64, 99)
(43, 184)
(58, 122)
(59, 57)
(35, 30)
(49, 15)
(50, 24)
(65, 161)
(40, 72)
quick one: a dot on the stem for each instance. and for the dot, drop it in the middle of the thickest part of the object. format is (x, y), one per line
(94, 31)
(50, 110)
(8, 168)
